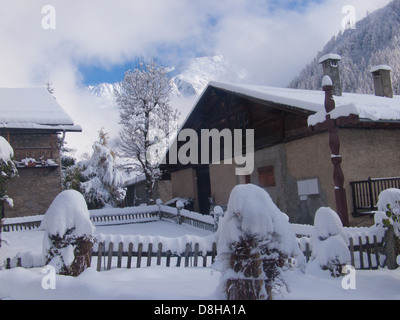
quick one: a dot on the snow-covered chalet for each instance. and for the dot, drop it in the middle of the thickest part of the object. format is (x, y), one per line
(292, 158)
(34, 124)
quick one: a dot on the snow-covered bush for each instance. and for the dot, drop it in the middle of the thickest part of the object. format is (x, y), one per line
(255, 245)
(8, 171)
(388, 216)
(389, 209)
(329, 242)
(69, 234)
(218, 213)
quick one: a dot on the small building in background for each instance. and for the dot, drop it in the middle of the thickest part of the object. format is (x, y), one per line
(35, 125)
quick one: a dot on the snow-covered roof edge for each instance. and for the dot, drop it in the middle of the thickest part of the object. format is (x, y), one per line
(33, 108)
(284, 96)
(367, 107)
(34, 126)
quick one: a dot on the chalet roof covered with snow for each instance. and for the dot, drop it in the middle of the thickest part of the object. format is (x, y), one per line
(367, 106)
(33, 108)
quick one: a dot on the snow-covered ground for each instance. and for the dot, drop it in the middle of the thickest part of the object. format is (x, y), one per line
(161, 283)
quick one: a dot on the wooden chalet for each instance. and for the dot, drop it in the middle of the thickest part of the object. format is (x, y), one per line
(292, 154)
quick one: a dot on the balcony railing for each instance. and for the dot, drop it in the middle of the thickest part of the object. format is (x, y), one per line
(366, 193)
(31, 157)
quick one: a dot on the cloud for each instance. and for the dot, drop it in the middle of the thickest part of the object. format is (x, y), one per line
(274, 48)
(272, 40)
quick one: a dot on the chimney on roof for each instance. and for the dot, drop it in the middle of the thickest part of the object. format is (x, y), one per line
(382, 81)
(330, 65)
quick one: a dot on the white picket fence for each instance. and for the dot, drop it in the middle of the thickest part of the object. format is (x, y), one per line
(366, 244)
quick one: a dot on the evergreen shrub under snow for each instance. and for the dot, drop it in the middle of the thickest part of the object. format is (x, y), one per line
(69, 234)
(255, 246)
(330, 242)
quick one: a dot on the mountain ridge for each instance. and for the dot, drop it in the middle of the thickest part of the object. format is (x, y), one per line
(374, 41)
(189, 81)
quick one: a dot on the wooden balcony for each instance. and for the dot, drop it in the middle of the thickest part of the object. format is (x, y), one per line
(34, 157)
(366, 194)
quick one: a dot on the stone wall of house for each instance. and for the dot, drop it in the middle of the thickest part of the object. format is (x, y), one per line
(184, 184)
(33, 191)
(35, 188)
(223, 179)
(366, 153)
(34, 140)
(310, 159)
(164, 190)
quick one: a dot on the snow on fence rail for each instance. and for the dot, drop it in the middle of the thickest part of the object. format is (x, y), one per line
(117, 216)
(22, 223)
(167, 251)
(366, 244)
(116, 251)
(364, 254)
(368, 257)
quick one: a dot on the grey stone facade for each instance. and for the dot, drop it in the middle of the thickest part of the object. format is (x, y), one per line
(35, 188)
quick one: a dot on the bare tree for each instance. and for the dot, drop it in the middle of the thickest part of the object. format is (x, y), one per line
(147, 119)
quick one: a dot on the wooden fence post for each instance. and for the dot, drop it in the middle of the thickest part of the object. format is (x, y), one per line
(1, 221)
(376, 249)
(351, 249)
(99, 256)
(159, 253)
(120, 249)
(130, 249)
(139, 255)
(390, 249)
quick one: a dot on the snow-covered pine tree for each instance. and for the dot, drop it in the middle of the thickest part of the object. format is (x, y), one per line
(102, 178)
(147, 119)
(8, 171)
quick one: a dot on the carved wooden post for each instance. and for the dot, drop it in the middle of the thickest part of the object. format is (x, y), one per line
(332, 125)
(336, 158)
(1, 221)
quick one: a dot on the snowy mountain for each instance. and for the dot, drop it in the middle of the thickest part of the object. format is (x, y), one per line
(375, 41)
(199, 71)
(187, 80)
(103, 90)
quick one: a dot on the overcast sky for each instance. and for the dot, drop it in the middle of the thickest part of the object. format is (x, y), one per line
(272, 40)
